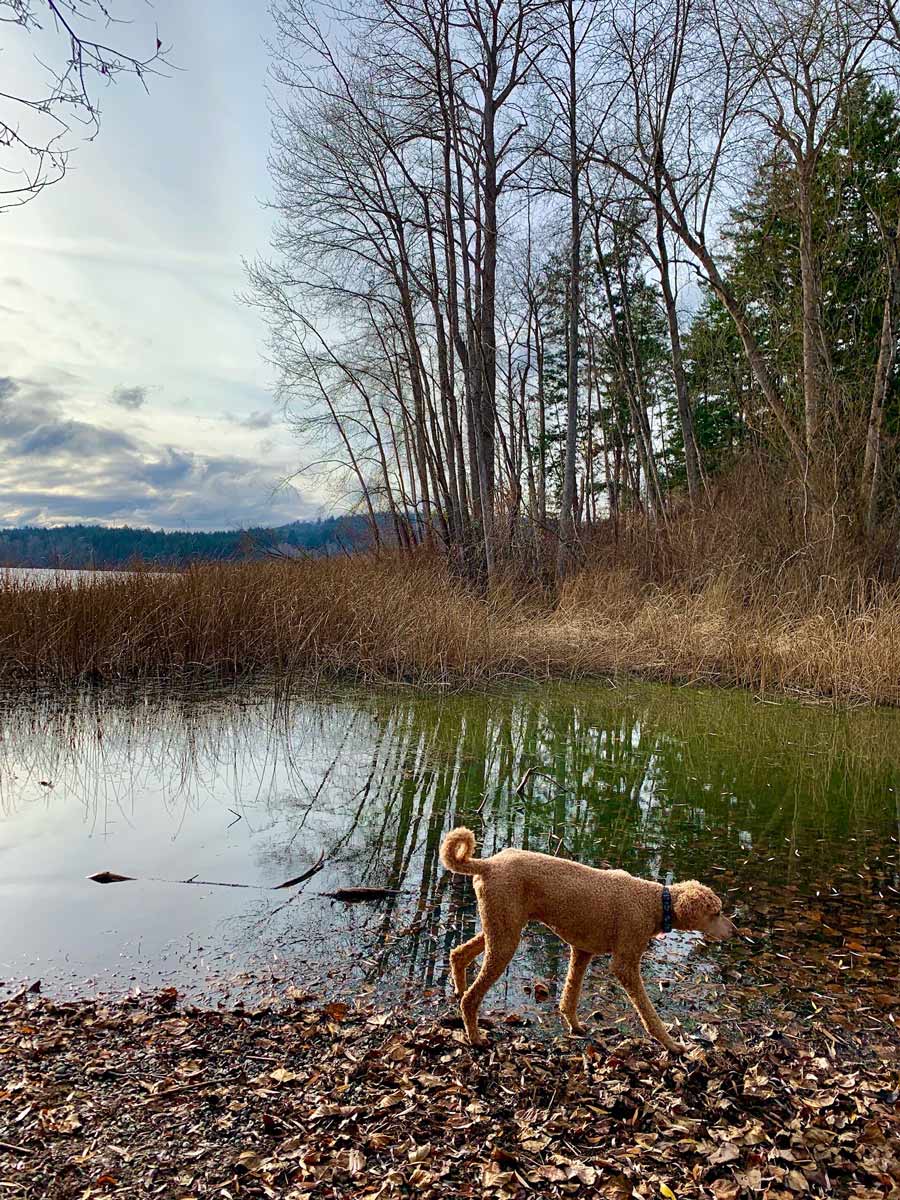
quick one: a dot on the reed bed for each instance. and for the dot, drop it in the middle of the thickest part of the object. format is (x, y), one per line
(362, 618)
(401, 619)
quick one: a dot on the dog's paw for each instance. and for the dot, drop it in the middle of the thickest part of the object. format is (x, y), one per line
(674, 1047)
(576, 1029)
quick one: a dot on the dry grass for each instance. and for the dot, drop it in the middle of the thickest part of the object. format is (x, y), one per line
(410, 620)
(714, 635)
(360, 618)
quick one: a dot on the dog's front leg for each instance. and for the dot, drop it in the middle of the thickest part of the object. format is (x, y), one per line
(628, 973)
(568, 1004)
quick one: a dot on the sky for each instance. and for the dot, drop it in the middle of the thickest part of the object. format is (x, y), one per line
(133, 383)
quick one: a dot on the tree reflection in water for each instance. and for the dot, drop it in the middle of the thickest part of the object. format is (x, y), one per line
(663, 782)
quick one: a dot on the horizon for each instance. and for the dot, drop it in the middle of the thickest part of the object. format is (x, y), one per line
(318, 519)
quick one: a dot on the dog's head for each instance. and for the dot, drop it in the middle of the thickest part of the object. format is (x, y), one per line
(696, 906)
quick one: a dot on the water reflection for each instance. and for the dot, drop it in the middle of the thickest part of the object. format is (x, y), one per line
(251, 786)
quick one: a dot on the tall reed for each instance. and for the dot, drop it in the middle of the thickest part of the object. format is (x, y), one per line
(409, 619)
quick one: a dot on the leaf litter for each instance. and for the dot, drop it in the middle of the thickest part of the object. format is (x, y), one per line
(141, 1098)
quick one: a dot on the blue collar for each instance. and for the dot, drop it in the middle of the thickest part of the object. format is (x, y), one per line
(667, 910)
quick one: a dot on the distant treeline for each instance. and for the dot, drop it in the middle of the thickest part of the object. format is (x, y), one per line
(98, 546)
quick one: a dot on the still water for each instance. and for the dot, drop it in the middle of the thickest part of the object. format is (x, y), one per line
(252, 787)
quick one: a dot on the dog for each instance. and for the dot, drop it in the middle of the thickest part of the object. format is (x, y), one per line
(596, 912)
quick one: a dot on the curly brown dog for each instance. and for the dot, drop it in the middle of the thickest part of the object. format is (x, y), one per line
(596, 912)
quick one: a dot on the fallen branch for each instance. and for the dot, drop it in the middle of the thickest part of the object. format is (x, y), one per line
(317, 866)
(521, 786)
(112, 877)
(353, 895)
(540, 775)
(176, 1091)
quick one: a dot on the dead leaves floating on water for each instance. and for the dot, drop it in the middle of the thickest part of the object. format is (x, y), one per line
(357, 1103)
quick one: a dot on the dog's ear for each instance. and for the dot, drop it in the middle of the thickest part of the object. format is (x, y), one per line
(693, 904)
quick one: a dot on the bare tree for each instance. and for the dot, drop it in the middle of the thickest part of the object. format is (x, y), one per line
(568, 72)
(486, 209)
(36, 125)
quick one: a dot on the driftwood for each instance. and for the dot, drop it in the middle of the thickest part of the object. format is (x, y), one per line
(355, 895)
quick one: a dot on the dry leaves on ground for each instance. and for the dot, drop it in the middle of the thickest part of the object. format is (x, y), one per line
(145, 1099)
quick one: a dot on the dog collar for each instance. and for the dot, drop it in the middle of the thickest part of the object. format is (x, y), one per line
(667, 910)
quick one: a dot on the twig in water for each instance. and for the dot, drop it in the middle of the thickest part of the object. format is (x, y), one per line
(317, 866)
(110, 877)
(521, 785)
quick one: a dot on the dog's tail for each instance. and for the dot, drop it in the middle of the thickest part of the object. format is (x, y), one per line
(457, 849)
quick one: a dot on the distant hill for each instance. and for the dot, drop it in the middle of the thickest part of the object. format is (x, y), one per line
(99, 547)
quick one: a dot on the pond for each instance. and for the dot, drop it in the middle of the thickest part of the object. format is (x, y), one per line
(790, 812)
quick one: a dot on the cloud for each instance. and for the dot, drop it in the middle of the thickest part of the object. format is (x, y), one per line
(259, 419)
(58, 468)
(25, 405)
(72, 439)
(130, 397)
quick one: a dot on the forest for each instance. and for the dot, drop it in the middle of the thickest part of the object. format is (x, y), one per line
(553, 277)
(99, 547)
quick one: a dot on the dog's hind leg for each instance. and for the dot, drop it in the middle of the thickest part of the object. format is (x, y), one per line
(497, 955)
(568, 1004)
(628, 973)
(462, 958)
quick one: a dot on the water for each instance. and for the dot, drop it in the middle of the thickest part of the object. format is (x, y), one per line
(767, 803)
(45, 577)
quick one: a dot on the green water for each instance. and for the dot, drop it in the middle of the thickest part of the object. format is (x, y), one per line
(652, 779)
(774, 805)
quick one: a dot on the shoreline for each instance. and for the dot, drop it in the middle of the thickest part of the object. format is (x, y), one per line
(329, 1100)
(612, 676)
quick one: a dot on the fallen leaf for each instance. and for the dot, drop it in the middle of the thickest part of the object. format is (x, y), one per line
(726, 1152)
(283, 1075)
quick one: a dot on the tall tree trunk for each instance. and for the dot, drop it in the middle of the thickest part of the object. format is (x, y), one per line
(685, 412)
(887, 350)
(566, 546)
(486, 414)
(812, 330)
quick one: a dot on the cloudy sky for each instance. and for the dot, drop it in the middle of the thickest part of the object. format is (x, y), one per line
(133, 388)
